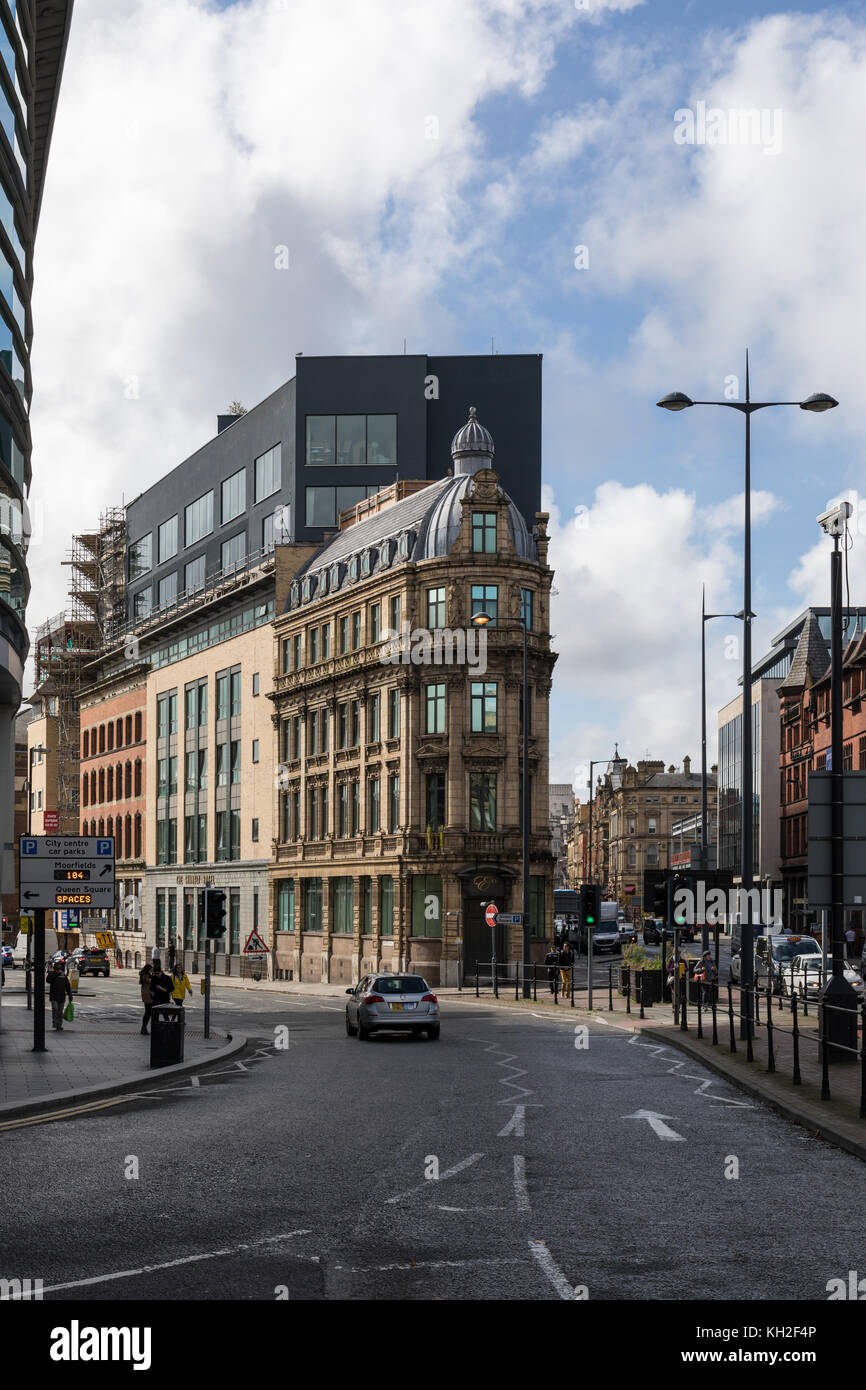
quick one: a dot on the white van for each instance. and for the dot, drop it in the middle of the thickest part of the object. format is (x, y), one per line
(19, 950)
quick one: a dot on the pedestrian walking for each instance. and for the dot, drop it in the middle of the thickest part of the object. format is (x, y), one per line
(566, 961)
(59, 991)
(849, 941)
(161, 986)
(551, 960)
(144, 979)
(705, 971)
(181, 985)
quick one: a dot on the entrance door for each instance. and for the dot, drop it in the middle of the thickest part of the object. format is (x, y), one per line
(477, 939)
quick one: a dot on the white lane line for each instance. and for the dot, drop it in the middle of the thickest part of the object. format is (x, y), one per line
(657, 1124)
(521, 1192)
(173, 1264)
(677, 1070)
(194, 1081)
(541, 1253)
(423, 1264)
(449, 1173)
(516, 1125)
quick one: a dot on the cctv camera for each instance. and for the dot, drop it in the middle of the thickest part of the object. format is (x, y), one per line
(833, 520)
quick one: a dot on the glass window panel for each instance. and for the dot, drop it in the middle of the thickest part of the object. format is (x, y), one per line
(233, 552)
(141, 556)
(168, 588)
(382, 440)
(198, 518)
(142, 602)
(168, 539)
(351, 439)
(268, 470)
(321, 430)
(193, 575)
(234, 495)
(320, 506)
(349, 496)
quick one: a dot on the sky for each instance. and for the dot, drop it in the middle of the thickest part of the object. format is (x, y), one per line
(580, 179)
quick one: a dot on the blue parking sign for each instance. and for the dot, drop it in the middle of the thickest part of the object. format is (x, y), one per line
(29, 847)
(104, 846)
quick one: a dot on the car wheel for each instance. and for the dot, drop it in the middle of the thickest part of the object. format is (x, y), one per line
(433, 1033)
(363, 1033)
(349, 1029)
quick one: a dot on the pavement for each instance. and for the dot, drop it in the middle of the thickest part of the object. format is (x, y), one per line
(101, 1053)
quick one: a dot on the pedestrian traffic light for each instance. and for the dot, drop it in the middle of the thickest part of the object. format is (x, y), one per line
(660, 900)
(215, 912)
(590, 904)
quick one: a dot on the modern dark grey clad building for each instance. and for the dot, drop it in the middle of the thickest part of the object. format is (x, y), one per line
(340, 430)
(33, 36)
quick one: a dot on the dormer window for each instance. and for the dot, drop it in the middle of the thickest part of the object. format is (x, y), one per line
(484, 533)
(353, 569)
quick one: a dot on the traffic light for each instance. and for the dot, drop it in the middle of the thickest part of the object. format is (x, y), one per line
(215, 912)
(590, 904)
(660, 900)
(681, 914)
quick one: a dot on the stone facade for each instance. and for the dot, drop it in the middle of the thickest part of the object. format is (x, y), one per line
(397, 811)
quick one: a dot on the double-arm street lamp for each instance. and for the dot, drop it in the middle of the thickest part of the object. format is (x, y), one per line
(816, 403)
(481, 620)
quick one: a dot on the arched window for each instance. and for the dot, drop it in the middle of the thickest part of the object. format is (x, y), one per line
(127, 781)
(93, 788)
(129, 728)
(119, 733)
(118, 843)
(85, 788)
(127, 836)
(101, 786)
(138, 726)
(138, 777)
(102, 738)
(110, 830)
(101, 831)
(110, 748)
(118, 782)
(109, 790)
(138, 837)
(85, 743)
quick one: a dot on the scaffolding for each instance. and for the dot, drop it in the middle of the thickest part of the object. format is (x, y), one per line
(70, 639)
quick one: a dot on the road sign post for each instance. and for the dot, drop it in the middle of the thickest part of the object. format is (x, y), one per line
(39, 971)
(206, 971)
(491, 912)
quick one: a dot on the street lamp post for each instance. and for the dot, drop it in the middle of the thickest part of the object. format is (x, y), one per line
(705, 618)
(481, 620)
(815, 403)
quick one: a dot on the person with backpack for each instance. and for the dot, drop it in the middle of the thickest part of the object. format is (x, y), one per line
(566, 961)
(551, 960)
(161, 985)
(705, 971)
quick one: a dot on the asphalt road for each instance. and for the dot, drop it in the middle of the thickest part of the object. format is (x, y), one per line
(306, 1172)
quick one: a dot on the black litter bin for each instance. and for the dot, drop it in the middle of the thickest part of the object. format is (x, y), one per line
(167, 1024)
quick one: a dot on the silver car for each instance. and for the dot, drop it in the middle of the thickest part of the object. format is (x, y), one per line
(393, 1002)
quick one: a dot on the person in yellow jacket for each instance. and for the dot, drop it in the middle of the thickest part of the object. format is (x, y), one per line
(181, 986)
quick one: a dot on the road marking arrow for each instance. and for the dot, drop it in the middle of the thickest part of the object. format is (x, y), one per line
(656, 1124)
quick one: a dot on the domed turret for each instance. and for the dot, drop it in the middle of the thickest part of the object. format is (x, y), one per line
(472, 446)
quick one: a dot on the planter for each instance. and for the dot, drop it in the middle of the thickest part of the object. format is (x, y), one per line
(652, 986)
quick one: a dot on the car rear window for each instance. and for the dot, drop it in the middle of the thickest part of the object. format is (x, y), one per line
(401, 984)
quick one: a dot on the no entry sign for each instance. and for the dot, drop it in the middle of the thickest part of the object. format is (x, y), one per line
(491, 914)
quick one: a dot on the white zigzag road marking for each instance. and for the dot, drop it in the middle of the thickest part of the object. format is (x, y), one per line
(701, 1090)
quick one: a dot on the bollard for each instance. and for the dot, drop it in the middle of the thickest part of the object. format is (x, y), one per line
(795, 1034)
(517, 981)
(825, 1052)
(700, 1032)
(771, 1055)
(714, 1005)
(495, 970)
(628, 993)
(640, 987)
(573, 973)
(805, 995)
(733, 1046)
(758, 1007)
(556, 988)
(610, 988)
(750, 1051)
(535, 982)
(477, 995)
(684, 1003)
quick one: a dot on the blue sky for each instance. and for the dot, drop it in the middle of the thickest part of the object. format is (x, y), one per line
(309, 125)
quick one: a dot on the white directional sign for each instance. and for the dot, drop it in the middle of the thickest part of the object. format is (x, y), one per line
(66, 871)
(509, 919)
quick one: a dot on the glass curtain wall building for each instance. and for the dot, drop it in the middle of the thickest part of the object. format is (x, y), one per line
(33, 38)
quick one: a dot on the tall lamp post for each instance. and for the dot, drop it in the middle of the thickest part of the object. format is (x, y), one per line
(705, 618)
(816, 403)
(28, 961)
(481, 620)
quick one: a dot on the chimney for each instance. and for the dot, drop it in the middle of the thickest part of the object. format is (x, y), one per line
(687, 766)
(223, 422)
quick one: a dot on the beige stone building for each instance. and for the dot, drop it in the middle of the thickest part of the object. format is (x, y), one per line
(398, 804)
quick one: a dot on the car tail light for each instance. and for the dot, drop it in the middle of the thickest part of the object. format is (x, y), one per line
(373, 999)
(429, 999)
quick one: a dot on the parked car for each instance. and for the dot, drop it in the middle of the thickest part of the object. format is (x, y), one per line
(805, 974)
(60, 957)
(403, 1003)
(8, 958)
(90, 960)
(773, 957)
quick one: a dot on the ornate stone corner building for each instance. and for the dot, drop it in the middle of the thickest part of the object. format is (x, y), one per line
(398, 727)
